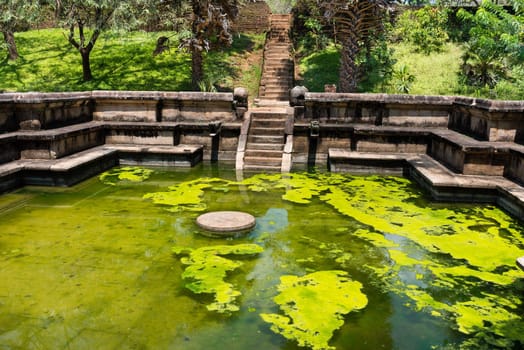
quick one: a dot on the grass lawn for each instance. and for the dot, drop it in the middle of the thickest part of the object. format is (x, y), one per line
(435, 74)
(119, 61)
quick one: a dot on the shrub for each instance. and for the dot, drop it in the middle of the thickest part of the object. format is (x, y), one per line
(425, 28)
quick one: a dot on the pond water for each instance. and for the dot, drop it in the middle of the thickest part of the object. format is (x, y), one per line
(335, 261)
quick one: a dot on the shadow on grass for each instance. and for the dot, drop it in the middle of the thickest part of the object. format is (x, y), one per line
(320, 69)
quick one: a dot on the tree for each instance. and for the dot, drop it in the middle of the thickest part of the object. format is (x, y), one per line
(425, 28)
(210, 21)
(13, 15)
(85, 20)
(357, 23)
(495, 43)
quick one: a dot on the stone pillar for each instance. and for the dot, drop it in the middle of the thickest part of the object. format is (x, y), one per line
(240, 101)
(297, 97)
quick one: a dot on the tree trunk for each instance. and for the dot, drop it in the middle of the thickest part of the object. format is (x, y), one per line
(86, 64)
(9, 39)
(348, 74)
(197, 70)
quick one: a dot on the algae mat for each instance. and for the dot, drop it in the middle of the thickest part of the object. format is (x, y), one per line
(335, 261)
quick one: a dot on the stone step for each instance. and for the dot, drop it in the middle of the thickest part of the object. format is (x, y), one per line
(275, 46)
(266, 139)
(277, 55)
(277, 81)
(280, 90)
(268, 123)
(277, 69)
(265, 146)
(264, 168)
(266, 131)
(275, 96)
(264, 161)
(263, 153)
(268, 115)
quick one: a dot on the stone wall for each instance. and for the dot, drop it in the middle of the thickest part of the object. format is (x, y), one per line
(42, 111)
(36, 111)
(253, 17)
(488, 120)
(378, 109)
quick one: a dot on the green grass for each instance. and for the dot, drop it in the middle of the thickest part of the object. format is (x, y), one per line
(435, 74)
(320, 68)
(119, 61)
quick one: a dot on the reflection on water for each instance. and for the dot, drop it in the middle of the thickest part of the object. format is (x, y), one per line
(92, 267)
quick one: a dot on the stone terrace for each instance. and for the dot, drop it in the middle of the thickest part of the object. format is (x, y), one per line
(458, 149)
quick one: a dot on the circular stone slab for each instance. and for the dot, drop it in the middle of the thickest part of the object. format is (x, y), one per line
(226, 223)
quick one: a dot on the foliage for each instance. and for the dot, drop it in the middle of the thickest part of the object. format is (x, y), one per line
(315, 39)
(424, 28)
(320, 68)
(281, 6)
(403, 79)
(495, 43)
(358, 23)
(435, 74)
(207, 268)
(315, 305)
(15, 15)
(310, 29)
(375, 65)
(122, 61)
(132, 174)
(79, 16)
(210, 24)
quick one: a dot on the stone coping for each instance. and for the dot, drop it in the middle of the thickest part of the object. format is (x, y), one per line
(323, 97)
(514, 106)
(48, 97)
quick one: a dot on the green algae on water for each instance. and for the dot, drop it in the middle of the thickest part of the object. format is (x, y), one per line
(451, 254)
(207, 268)
(131, 174)
(184, 196)
(314, 306)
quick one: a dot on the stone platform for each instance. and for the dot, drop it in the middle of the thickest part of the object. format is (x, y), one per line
(226, 223)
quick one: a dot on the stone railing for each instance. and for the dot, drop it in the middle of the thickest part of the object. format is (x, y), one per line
(40, 111)
(489, 120)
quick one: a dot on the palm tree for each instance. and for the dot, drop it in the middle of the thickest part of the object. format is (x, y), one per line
(356, 22)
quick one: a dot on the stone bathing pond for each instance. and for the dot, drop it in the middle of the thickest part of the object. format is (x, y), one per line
(335, 261)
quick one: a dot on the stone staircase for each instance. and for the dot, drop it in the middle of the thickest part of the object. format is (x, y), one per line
(265, 141)
(277, 72)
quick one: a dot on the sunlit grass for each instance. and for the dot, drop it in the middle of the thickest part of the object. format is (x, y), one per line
(320, 68)
(119, 61)
(435, 74)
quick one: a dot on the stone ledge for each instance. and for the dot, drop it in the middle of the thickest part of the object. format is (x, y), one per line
(323, 97)
(58, 133)
(490, 105)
